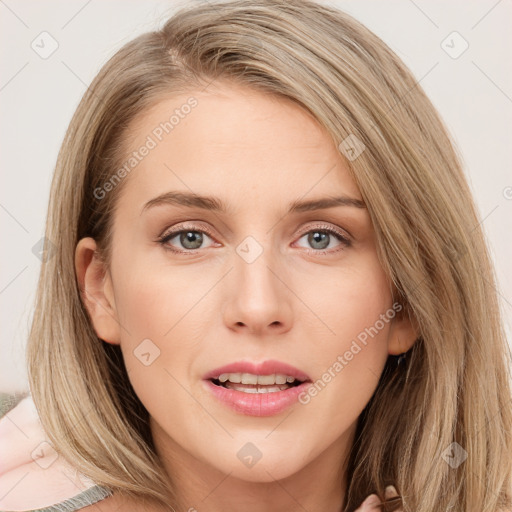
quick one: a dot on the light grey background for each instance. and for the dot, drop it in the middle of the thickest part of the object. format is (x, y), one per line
(38, 96)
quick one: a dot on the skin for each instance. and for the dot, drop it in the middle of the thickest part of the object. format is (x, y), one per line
(257, 153)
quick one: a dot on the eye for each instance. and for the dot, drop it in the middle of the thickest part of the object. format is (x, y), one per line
(190, 239)
(321, 238)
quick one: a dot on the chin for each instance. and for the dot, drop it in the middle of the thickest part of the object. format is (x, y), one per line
(266, 470)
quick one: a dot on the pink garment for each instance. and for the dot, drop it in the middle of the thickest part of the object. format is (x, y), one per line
(32, 474)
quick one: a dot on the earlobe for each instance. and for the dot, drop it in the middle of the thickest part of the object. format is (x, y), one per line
(96, 290)
(403, 333)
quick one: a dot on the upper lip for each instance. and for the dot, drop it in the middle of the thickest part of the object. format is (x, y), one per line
(264, 368)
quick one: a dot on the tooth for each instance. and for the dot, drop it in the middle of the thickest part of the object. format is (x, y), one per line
(253, 390)
(266, 389)
(249, 378)
(269, 390)
(266, 380)
(280, 379)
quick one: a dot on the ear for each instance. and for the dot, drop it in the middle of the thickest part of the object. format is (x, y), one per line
(96, 290)
(403, 333)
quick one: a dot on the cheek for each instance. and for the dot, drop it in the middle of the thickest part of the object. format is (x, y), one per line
(154, 309)
(349, 300)
(157, 343)
(356, 307)
(152, 302)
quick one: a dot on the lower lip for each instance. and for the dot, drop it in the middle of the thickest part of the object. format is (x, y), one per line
(257, 404)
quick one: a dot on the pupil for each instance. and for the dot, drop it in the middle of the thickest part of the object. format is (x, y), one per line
(316, 237)
(188, 237)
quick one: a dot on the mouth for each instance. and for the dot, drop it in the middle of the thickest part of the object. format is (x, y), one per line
(257, 399)
(246, 387)
(268, 376)
(257, 389)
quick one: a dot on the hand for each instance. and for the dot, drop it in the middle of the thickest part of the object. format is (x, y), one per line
(372, 503)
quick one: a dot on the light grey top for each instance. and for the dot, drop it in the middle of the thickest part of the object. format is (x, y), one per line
(87, 497)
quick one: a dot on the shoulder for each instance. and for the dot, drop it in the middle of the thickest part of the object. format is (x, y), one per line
(113, 503)
(107, 505)
(116, 503)
(32, 474)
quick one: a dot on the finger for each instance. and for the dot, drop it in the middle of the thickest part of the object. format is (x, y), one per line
(369, 504)
(390, 492)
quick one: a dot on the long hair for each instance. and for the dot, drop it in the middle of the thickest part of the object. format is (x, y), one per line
(450, 400)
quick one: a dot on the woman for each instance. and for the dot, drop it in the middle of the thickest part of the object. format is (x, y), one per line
(270, 289)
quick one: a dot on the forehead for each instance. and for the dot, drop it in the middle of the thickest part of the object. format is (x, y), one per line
(229, 139)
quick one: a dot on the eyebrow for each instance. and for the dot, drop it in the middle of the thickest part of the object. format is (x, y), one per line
(192, 200)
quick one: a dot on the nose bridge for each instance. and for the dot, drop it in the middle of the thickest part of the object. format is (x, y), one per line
(259, 296)
(254, 262)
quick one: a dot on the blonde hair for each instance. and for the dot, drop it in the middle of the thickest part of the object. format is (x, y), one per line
(454, 387)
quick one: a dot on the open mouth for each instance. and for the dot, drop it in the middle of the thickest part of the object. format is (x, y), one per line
(261, 394)
(256, 388)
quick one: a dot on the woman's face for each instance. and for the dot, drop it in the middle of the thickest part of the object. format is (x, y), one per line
(259, 281)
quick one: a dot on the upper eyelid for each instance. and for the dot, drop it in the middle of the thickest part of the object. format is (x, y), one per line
(343, 236)
(325, 227)
(175, 230)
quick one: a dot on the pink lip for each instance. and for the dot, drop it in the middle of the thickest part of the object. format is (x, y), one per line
(258, 404)
(265, 368)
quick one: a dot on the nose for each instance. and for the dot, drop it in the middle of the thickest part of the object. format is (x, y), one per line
(259, 298)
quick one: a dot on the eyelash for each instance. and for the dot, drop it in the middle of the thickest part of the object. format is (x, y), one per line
(322, 229)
